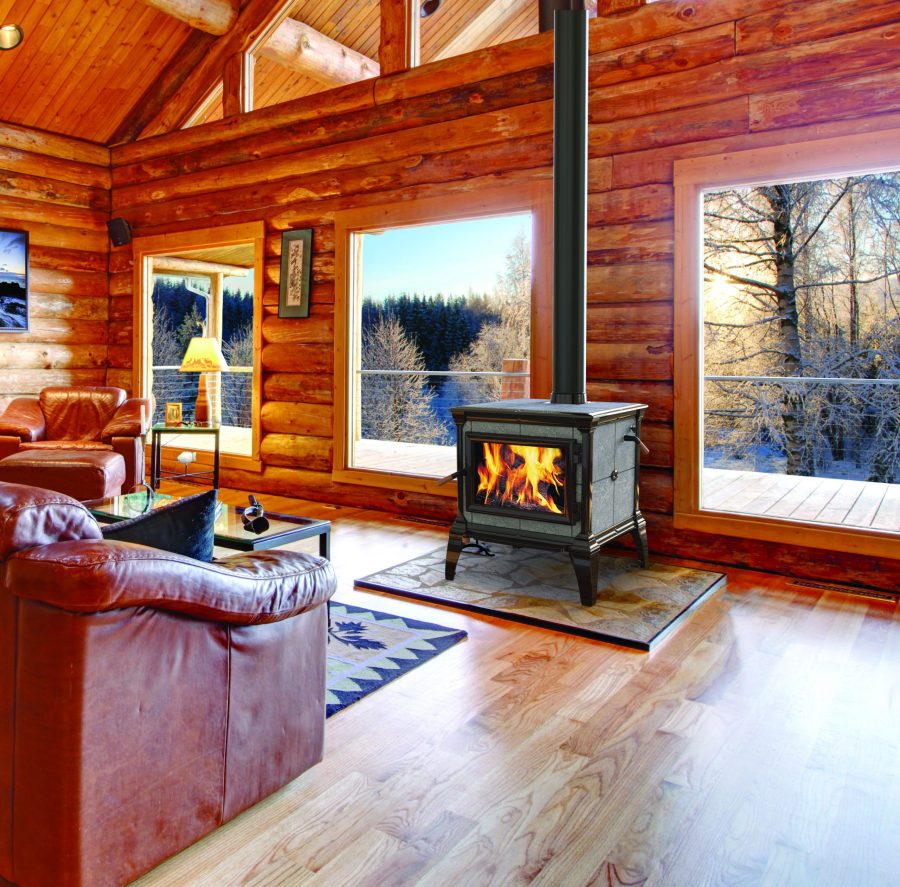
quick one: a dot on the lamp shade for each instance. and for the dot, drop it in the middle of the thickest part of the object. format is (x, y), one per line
(203, 355)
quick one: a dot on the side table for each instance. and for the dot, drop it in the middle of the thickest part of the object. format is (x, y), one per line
(156, 435)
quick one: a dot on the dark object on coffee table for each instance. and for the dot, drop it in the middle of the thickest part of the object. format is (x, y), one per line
(254, 517)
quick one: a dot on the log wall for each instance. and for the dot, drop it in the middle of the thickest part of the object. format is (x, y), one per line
(670, 80)
(57, 189)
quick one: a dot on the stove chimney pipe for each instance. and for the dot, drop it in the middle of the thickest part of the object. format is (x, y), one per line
(569, 201)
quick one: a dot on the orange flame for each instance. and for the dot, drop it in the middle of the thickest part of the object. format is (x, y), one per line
(512, 475)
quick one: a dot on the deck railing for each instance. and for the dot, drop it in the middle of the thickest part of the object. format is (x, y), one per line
(236, 386)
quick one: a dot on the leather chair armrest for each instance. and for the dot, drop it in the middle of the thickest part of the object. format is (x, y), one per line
(247, 589)
(24, 419)
(131, 419)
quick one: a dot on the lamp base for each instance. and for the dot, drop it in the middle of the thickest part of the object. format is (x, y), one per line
(201, 408)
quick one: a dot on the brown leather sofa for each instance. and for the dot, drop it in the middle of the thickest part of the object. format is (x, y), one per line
(79, 418)
(145, 698)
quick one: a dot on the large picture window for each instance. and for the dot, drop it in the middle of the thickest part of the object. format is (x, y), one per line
(790, 326)
(437, 310)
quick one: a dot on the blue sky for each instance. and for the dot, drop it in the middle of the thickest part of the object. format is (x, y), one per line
(449, 258)
(12, 254)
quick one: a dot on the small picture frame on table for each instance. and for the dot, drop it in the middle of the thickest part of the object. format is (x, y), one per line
(296, 262)
(173, 413)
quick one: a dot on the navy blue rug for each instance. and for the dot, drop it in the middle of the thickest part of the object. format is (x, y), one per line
(368, 649)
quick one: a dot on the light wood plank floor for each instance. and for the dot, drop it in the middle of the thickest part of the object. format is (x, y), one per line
(849, 503)
(759, 745)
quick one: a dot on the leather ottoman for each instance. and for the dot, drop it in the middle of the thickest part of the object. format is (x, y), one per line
(81, 474)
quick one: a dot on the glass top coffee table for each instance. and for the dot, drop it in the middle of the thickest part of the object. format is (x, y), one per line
(229, 528)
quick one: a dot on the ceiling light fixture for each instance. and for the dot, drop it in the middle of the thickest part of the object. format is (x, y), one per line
(10, 36)
(428, 7)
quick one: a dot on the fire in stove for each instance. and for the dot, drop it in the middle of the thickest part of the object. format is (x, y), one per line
(518, 476)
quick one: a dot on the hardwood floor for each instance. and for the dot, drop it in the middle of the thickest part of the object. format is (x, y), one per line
(759, 745)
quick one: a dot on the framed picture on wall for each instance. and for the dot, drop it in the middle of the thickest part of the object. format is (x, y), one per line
(13, 280)
(296, 262)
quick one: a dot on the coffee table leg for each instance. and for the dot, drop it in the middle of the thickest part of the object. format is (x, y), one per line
(325, 544)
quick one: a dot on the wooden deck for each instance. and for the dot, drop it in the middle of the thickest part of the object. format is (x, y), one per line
(848, 503)
(427, 460)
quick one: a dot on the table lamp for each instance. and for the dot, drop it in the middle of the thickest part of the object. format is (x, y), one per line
(203, 356)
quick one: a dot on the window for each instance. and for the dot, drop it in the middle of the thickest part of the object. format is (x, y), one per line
(435, 308)
(203, 283)
(788, 344)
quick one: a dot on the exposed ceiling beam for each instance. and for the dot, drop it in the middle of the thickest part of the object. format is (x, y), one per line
(297, 46)
(398, 48)
(169, 264)
(169, 110)
(213, 16)
(472, 35)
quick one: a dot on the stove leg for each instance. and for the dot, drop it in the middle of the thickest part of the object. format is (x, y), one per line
(587, 569)
(639, 535)
(454, 548)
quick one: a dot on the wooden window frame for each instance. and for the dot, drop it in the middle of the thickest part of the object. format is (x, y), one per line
(535, 198)
(826, 158)
(144, 248)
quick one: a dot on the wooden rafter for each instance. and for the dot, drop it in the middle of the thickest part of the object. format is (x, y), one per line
(399, 44)
(177, 264)
(212, 16)
(237, 84)
(256, 20)
(296, 45)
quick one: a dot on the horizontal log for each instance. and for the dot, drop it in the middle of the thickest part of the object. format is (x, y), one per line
(655, 165)
(457, 170)
(856, 97)
(319, 487)
(65, 216)
(781, 68)
(35, 356)
(321, 295)
(180, 265)
(278, 330)
(64, 331)
(599, 174)
(653, 241)
(772, 557)
(810, 22)
(322, 239)
(120, 379)
(669, 128)
(212, 16)
(34, 141)
(46, 234)
(624, 205)
(290, 358)
(297, 451)
(71, 172)
(635, 322)
(677, 52)
(311, 419)
(74, 308)
(66, 283)
(299, 387)
(366, 122)
(658, 396)
(629, 361)
(52, 191)
(29, 382)
(120, 357)
(659, 439)
(645, 281)
(66, 260)
(481, 129)
(657, 490)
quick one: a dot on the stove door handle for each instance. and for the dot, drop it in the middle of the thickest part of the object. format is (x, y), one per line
(644, 448)
(449, 477)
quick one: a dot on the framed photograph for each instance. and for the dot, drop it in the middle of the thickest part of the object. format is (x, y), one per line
(173, 413)
(296, 261)
(13, 281)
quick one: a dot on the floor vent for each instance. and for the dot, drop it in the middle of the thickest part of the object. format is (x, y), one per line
(848, 589)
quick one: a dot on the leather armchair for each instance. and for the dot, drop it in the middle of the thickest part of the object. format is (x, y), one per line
(145, 698)
(79, 418)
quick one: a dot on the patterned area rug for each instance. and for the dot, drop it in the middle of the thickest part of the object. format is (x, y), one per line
(635, 607)
(368, 649)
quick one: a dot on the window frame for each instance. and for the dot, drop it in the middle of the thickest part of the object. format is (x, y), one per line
(795, 162)
(144, 249)
(532, 197)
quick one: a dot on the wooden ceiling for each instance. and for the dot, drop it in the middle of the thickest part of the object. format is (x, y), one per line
(86, 65)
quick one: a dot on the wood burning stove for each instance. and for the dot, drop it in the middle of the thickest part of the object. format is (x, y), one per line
(578, 492)
(561, 474)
